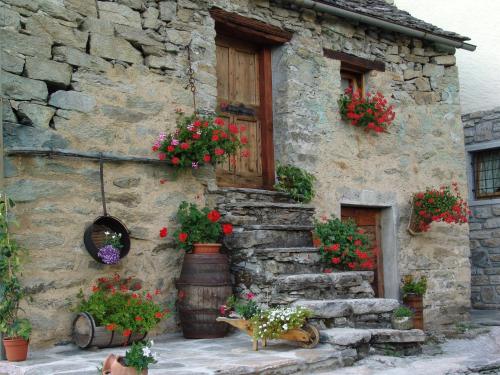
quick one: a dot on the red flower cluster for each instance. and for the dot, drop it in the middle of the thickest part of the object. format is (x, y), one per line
(370, 113)
(443, 204)
(197, 141)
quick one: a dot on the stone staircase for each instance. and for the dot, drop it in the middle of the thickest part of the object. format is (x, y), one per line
(272, 257)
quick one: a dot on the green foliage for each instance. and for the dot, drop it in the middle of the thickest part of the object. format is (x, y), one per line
(139, 356)
(272, 323)
(298, 183)
(245, 308)
(414, 286)
(122, 309)
(200, 140)
(342, 244)
(196, 226)
(113, 239)
(11, 291)
(402, 311)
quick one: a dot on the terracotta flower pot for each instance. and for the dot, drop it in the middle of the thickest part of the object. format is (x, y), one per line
(206, 248)
(113, 365)
(16, 349)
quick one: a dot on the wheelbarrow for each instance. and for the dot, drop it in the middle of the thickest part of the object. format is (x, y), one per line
(307, 336)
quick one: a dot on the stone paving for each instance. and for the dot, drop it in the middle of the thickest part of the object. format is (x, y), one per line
(479, 355)
(231, 355)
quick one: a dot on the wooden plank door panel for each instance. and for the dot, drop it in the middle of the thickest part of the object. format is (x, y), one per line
(238, 84)
(368, 219)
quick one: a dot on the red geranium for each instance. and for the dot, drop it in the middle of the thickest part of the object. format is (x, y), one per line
(163, 232)
(227, 229)
(183, 237)
(213, 216)
(370, 112)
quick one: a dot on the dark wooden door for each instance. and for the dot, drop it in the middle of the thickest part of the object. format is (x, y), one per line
(243, 99)
(369, 220)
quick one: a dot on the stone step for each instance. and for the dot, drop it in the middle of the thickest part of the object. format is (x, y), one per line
(355, 313)
(276, 261)
(267, 213)
(269, 236)
(312, 286)
(233, 195)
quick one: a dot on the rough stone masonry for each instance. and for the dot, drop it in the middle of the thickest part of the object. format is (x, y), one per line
(107, 76)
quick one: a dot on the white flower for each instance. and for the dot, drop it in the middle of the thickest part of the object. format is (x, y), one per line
(146, 352)
(106, 233)
(151, 343)
(155, 356)
(285, 326)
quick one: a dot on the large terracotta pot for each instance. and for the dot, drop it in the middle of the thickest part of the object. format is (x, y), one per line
(113, 366)
(16, 349)
(206, 248)
(415, 303)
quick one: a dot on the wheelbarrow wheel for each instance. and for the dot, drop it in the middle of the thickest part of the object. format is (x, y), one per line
(313, 334)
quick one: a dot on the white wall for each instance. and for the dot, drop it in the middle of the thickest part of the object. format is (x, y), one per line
(480, 20)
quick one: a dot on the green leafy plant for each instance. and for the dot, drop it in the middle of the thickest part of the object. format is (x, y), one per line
(198, 226)
(298, 183)
(343, 245)
(11, 291)
(244, 308)
(272, 323)
(113, 239)
(199, 140)
(443, 204)
(402, 312)
(119, 304)
(414, 286)
(140, 356)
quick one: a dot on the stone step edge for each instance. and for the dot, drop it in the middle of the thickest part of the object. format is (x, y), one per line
(333, 276)
(279, 250)
(358, 336)
(250, 204)
(247, 191)
(337, 308)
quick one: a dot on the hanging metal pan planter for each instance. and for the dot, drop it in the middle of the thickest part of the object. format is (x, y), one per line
(95, 234)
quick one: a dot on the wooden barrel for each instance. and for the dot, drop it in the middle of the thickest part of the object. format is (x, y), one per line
(204, 285)
(415, 303)
(86, 334)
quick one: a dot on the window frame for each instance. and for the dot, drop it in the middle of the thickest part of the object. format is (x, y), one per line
(475, 168)
(357, 78)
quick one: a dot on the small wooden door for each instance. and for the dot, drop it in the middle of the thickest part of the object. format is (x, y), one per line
(369, 220)
(244, 99)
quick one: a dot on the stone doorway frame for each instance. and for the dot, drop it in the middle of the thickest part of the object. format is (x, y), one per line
(389, 212)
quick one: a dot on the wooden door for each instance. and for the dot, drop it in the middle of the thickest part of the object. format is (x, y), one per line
(244, 99)
(369, 220)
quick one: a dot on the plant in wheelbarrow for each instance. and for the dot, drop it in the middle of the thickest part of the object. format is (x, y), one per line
(16, 330)
(286, 323)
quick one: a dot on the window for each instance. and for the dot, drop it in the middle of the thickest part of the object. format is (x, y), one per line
(352, 79)
(487, 174)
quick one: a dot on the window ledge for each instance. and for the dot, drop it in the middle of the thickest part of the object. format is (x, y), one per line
(483, 202)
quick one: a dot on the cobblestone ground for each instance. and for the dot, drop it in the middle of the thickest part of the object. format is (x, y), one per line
(466, 356)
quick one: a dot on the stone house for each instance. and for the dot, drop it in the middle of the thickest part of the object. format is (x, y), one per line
(482, 142)
(84, 77)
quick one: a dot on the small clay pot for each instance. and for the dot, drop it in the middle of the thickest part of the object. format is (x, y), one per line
(16, 349)
(402, 323)
(206, 248)
(113, 365)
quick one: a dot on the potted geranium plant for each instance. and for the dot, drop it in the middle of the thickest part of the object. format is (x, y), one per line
(135, 362)
(432, 205)
(402, 318)
(413, 292)
(343, 245)
(199, 140)
(200, 229)
(117, 311)
(16, 331)
(370, 113)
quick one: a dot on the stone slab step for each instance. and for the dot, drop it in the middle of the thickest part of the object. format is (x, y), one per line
(356, 337)
(232, 195)
(335, 308)
(259, 237)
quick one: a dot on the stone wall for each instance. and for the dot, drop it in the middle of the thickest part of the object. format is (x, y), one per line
(481, 129)
(107, 76)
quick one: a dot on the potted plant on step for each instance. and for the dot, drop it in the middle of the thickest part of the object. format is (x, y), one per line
(117, 313)
(200, 229)
(402, 318)
(296, 182)
(16, 330)
(413, 292)
(135, 362)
